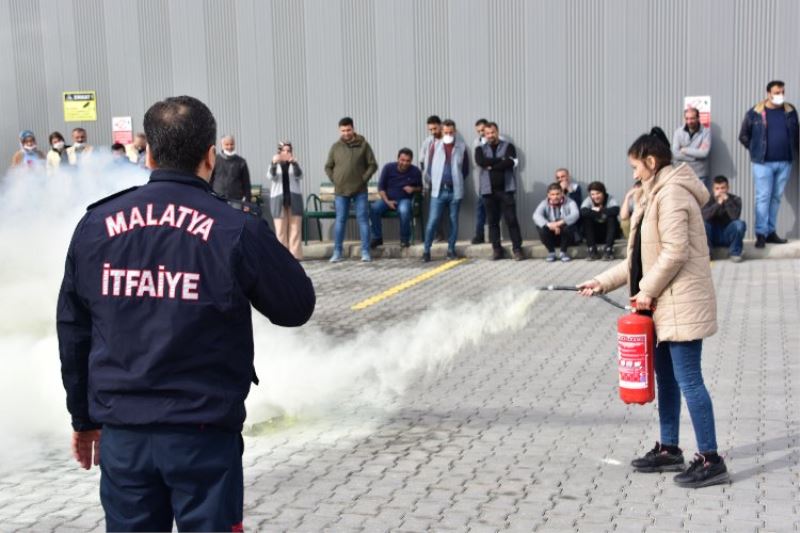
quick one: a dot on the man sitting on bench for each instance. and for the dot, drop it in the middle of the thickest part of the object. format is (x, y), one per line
(397, 185)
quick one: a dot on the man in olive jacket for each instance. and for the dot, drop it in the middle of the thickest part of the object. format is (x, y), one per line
(350, 165)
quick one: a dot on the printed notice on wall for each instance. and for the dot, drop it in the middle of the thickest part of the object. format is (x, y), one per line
(122, 130)
(80, 106)
(702, 104)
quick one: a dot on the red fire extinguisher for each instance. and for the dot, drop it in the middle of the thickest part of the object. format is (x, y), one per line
(635, 347)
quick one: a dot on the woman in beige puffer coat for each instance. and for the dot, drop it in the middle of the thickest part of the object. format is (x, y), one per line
(669, 274)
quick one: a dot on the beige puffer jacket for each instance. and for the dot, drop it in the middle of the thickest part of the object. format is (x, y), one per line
(675, 262)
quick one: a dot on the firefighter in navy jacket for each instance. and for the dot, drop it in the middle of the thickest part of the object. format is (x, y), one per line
(155, 332)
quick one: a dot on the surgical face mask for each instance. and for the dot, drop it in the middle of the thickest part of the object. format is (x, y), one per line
(29, 147)
(448, 139)
(77, 145)
(229, 153)
(58, 145)
(483, 140)
(777, 99)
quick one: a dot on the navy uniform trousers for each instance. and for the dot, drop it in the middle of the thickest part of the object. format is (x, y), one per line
(151, 475)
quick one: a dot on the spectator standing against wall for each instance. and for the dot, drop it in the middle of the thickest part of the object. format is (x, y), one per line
(231, 176)
(721, 215)
(449, 164)
(28, 155)
(770, 132)
(57, 155)
(137, 149)
(480, 208)
(497, 160)
(350, 165)
(80, 149)
(691, 144)
(599, 213)
(286, 198)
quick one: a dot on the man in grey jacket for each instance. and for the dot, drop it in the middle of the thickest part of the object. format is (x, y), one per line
(691, 144)
(556, 218)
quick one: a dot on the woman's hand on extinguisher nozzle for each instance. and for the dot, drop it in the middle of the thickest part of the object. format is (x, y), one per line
(642, 302)
(589, 288)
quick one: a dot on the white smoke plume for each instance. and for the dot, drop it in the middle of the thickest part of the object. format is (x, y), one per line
(301, 370)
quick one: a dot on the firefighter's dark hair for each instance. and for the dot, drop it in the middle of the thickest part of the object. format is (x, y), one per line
(180, 130)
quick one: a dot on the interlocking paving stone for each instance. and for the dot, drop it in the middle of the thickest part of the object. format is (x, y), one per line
(521, 430)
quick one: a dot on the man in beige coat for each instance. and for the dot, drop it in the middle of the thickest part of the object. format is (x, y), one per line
(668, 272)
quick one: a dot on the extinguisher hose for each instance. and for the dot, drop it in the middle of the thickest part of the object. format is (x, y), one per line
(575, 289)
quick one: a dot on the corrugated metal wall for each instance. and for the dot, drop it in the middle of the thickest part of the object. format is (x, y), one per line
(571, 82)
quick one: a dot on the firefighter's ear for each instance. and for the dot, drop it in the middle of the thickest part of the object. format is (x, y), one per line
(206, 165)
(149, 161)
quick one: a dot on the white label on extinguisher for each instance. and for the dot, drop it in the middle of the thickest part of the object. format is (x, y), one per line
(632, 360)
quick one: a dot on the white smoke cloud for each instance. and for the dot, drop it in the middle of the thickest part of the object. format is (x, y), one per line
(301, 370)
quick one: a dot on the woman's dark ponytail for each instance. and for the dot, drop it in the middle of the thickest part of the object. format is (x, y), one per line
(654, 144)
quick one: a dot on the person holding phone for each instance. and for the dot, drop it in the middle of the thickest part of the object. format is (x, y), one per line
(286, 198)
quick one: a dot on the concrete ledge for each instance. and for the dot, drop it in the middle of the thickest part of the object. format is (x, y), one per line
(392, 250)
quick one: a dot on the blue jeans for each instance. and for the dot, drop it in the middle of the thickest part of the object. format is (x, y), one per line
(377, 210)
(480, 218)
(730, 235)
(438, 204)
(342, 204)
(677, 366)
(770, 180)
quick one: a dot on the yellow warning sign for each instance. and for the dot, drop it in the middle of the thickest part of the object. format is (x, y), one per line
(80, 106)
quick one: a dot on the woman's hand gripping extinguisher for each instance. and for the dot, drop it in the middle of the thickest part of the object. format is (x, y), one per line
(635, 350)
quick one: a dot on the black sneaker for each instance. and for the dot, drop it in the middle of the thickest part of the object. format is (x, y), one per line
(592, 254)
(497, 254)
(773, 238)
(404, 244)
(608, 254)
(760, 241)
(426, 257)
(451, 254)
(701, 473)
(477, 239)
(374, 243)
(659, 460)
(518, 255)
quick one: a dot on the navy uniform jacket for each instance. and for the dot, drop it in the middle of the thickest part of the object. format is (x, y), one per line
(154, 322)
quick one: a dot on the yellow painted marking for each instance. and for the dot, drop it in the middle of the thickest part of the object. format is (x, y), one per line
(372, 300)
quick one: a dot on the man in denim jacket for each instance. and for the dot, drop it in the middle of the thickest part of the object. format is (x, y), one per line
(770, 132)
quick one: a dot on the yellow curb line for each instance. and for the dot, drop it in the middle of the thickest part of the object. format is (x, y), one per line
(372, 300)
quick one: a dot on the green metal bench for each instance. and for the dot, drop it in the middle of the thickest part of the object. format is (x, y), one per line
(316, 210)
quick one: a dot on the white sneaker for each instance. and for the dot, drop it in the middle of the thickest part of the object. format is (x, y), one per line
(336, 257)
(551, 257)
(366, 258)
(736, 259)
(564, 257)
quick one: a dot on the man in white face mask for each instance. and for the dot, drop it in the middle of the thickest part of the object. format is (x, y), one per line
(28, 154)
(231, 177)
(80, 148)
(770, 132)
(448, 166)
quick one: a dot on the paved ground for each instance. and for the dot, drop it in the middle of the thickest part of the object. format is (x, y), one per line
(498, 410)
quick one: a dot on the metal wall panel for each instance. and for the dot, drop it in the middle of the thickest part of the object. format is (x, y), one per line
(9, 105)
(572, 83)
